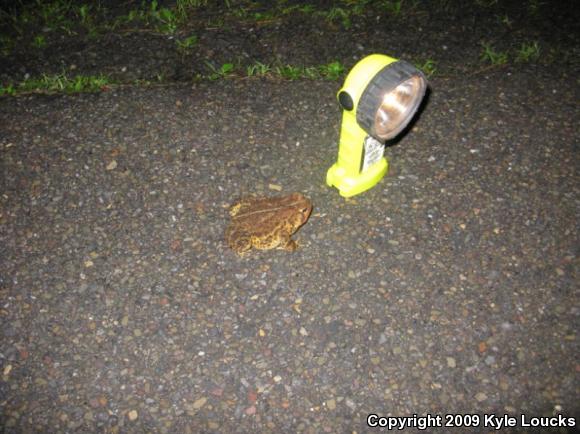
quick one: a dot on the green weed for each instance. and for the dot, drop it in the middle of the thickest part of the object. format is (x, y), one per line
(222, 72)
(7, 90)
(306, 9)
(338, 14)
(58, 83)
(258, 68)
(187, 43)
(39, 41)
(332, 71)
(505, 20)
(392, 7)
(428, 67)
(166, 19)
(311, 72)
(496, 58)
(85, 15)
(289, 72)
(54, 14)
(528, 52)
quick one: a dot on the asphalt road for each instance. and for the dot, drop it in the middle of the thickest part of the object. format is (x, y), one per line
(449, 288)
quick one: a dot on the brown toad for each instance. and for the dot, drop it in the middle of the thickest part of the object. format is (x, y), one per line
(267, 222)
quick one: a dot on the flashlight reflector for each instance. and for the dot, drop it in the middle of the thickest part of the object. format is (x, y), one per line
(398, 106)
(390, 100)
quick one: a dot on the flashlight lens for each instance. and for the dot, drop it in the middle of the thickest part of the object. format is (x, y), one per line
(398, 107)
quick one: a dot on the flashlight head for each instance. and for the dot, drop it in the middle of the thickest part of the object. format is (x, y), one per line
(382, 94)
(390, 100)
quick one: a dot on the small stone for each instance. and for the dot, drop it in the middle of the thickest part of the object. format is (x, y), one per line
(275, 187)
(277, 378)
(133, 415)
(375, 360)
(331, 404)
(481, 397)
(199, 403)
(213, 425)
(252, 396)
(250, 411)
(451, 362)
(303, 331)
(112, 165)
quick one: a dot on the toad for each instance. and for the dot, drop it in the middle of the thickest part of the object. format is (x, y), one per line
(267, 222)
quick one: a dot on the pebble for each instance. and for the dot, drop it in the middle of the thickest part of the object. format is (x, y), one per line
(331, 404)
(133, 415)
(199, 403)
(451, 362)
(480, 397)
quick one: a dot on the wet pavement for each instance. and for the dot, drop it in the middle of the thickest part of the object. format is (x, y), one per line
(449, 288)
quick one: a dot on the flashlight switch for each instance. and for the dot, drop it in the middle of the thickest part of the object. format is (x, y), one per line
(345, 101)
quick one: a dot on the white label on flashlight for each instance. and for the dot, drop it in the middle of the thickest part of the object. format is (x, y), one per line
(373, 152)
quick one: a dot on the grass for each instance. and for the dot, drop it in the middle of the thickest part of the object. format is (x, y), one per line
(528, 52)
(223, 71)
(394, 8)
(39, 41)
(61, 83)
(428, 67)
(331, 71)
(57, 83)
(186, 44)
(338, 14)
(490, 55)
(258, 69)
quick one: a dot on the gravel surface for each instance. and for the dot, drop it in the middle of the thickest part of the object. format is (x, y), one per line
(449, 288)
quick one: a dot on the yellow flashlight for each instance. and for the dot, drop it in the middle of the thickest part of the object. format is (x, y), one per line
(379, 97)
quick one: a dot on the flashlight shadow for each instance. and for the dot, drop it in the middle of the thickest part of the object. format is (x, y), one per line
(395, 140)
